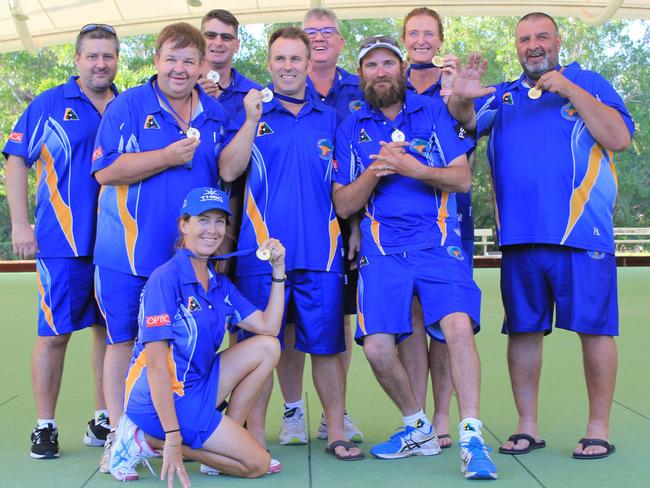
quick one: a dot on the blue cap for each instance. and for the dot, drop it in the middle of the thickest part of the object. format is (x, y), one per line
(200, 200)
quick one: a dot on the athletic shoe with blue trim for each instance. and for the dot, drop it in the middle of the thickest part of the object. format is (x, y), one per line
(127, 453)
(410, 441)
(477, 464)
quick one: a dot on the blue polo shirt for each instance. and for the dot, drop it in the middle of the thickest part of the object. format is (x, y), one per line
(553, 183)
(175, 307)
(403, 214)
(463, 200)
(344, 96)
(136, 224)
(57, 134)
(288, 190)
(232, 96)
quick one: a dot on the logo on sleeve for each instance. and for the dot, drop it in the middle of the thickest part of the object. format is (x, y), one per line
(193, 304)
(507, 99)
(460, 130)
(325, 148)
(364, 137)
(98, 153)
(569, 112)
(355, 105)
(151, 123)
(455, 252)
(157, 320)
(16, 137)
(263, 129)
(70, 114)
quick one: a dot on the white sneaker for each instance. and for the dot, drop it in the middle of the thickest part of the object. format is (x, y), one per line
(127, 453)
(105, 461)
(293, 429)
(352, 432)
(274, 467)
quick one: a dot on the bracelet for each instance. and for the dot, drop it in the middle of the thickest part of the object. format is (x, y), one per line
(172, 431)
(278, 280)
(169, 444)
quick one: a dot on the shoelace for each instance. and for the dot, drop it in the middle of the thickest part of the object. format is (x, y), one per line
(138, 460)
(477, 451)
(38, 435)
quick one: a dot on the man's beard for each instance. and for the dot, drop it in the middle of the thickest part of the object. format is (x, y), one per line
(384, 98)
(535, 71)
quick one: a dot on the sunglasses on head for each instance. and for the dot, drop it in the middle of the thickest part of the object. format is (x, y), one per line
(371, 41)
(225, 36)
(93, 27)
(326, 32)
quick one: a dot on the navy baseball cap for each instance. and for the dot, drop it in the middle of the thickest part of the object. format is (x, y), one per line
(200, 200)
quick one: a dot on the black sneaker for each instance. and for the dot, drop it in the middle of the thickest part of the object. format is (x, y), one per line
(96, 432)
(45, 442)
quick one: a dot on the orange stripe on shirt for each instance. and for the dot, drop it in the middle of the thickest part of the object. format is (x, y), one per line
(334, 232)
(255, 216)
(129, 223)
(135, 370)
(443, 213)
(374, 230)
(177, 386)
(580, 195)
(61, 209)
(47, 311)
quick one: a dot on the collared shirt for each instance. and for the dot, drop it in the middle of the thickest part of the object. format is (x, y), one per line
(175, 307)
(553, 183)
(232, 96)
(344, 96)
(136, 224)
(403, 214)
(288, 190)
(430, 91)
(57, 134)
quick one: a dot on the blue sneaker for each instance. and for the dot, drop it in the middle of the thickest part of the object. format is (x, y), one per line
(410, 441)
(477, 464)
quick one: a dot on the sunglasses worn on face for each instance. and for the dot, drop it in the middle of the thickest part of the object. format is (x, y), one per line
(225, 36)
(326, 32)
(93, 27)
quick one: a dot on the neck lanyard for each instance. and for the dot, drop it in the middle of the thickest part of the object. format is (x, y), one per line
(289, 99)
(162, 96)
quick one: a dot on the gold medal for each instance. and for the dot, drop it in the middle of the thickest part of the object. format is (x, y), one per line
(438, 61)
(267, 95)
(397, 136)
(213, 76)
(193, 133)
(534, 93)
(263, 254)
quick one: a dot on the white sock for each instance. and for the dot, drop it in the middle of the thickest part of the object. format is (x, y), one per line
(43, 423)
(299, 404)
(147, 450)
(99, 414)
(418, 420)
(468, 428)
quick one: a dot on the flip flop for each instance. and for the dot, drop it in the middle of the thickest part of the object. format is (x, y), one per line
(532, 444)
(331, 449)
(445, 436)
(586, 442)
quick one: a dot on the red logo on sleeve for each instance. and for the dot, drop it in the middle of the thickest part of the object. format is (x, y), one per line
(157, 320)
(98, 153)
(16, 137)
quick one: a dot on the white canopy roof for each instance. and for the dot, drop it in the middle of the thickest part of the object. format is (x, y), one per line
(32, 24)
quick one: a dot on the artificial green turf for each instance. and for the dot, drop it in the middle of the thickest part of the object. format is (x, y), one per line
(563, 410)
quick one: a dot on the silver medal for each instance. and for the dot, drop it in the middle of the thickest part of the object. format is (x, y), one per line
(397, 136)
(267, 95)
(213, 76)
(193, 133)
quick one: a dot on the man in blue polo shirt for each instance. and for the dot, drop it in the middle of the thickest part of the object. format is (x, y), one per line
(159, 141)
(288, 142)
(401, 159)
(56, 133)
(553, 133)
(339, 89)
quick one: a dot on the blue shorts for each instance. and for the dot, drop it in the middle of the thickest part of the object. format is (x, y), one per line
(439, 277)
(314, 298)
(196, 412)
(118, 297)
(65, 295)
(580, 284)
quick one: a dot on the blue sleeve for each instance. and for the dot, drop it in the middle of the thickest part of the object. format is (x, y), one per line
(606, 94)
(115, 135)
(237, 306)
(232, 126)
(453, 140)
(158, 305)
(26, 138)
(344, 161)
(486, 109)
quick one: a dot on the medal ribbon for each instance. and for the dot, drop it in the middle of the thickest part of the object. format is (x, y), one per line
(169, 106)
(289, 99)
(421, 65)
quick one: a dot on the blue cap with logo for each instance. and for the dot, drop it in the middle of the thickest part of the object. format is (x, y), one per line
(200, 200)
